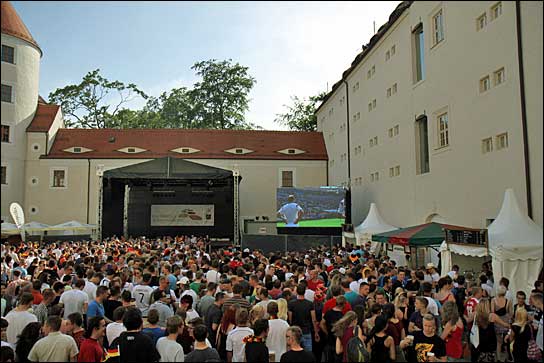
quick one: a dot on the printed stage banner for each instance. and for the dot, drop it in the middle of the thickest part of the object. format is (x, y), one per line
(182, 215)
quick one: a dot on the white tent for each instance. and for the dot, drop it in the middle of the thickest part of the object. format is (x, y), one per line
(35, 227)
(373, 224)
(463, 256)
(9, 229)
(515, 244)
(72, 226)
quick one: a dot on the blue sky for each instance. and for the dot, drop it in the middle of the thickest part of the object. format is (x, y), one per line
(291, 48)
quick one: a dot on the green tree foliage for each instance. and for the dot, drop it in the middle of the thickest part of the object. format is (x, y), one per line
(300, 116)
(89, 104)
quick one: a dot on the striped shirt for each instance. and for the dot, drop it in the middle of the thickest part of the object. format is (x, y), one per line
(236, 299)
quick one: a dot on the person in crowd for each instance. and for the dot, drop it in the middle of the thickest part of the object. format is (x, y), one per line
(75, 300)
(302, 314)
(7, 354)
(202, 352)
(55, 346)
(521, 299)
(344, 330)
(502, 307)
(113, 301)
(394, 329)
(96, 307)
(207, 300)
(327, 322)
(41, 311)
(142, 294)
(153, 330)
(416, 319)
(257, 312)
(19, 317)
(336, 291)
(381, 345)
(36, 292)
(228, 323)
(168, 347)
(213, 316)
(275, 340)
(235, 339)
(236, 298)
(452, 331)
(162, 306)
(520, 334)
(26, 340)
(296, 353)
(425, 345)
(113, 330)
(471, 304)
(255, 349)
(91, 349)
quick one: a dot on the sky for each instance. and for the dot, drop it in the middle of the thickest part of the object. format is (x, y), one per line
(291, 48)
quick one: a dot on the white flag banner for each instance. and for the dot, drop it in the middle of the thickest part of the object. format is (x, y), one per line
(182, 215)
(18, 216)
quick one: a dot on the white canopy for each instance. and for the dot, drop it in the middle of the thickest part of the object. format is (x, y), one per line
(9, 228)
(373, 224)
(35, 227)
(515, 244)
(71, 226)
(446, 251)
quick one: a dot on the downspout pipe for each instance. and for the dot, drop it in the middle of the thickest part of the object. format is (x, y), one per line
(348, 206)
(523, 112)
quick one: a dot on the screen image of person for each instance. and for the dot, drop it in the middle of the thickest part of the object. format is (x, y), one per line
(342, 208)
(291, 212)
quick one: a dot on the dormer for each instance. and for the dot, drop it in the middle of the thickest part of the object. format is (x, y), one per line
(239, 151)
(291, 151)
(77, 150)
(132, 150)
(185, 150)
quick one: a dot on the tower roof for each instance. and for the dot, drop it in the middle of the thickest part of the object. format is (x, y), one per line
(14, 26)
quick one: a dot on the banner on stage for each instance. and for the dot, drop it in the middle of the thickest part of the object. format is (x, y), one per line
(182, 215)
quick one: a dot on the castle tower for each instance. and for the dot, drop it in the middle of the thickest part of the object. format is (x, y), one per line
(20, 81)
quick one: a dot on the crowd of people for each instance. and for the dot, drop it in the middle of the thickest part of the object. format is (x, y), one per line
(175, 300)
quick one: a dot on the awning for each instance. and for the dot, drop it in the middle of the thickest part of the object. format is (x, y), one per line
(9, 229)
(72, 226)
(428, 234)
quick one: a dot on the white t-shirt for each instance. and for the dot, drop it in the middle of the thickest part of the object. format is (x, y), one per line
(275, 341)
(170, 350)
(354, 286)
(309, 295)
(90, 289)
(18, 320)
(290, 212)
(113, 330)
(73, 301)
(142, 295)
(192, 294)
(191, 314)
(235, 343)
(213, 276)
(432, 307)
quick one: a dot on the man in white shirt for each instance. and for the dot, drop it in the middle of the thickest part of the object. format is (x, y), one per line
(169, 349)
(235, 344)
(161, 305)
(19, 317)
(91, 285)
(113, 330)
(142, 294)
(275, 341)
(213, 275)
(291, 212)
(75, 300)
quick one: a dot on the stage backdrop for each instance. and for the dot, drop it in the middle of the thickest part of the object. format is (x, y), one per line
(182, 215)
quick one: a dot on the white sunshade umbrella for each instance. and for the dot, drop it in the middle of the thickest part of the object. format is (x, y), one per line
(71, 226)
(9, 228)
(35, 227)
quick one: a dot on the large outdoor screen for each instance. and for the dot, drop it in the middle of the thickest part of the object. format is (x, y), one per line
(310, 207)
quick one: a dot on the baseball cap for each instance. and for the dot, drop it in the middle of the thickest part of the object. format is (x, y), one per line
(184, 280)
(342, 270)
(247, 250)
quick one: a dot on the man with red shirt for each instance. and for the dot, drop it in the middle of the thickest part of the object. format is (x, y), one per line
(470, 305)
(314, 280)
(36, 292)
(91, 350)
(336, 290)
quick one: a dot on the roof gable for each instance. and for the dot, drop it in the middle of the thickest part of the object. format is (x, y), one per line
(43, 118)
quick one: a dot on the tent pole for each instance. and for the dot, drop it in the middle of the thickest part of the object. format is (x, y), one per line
(100, 191)
(125, 211)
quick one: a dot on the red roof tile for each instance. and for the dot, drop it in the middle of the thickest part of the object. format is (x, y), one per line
(211, 143)
(14, 26)
(44, 117)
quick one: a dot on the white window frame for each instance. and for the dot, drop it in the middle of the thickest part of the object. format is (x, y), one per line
(393, 50)
(487, 145)
(394, 89)
(397, 170)
(438, 31)
(498, 5)
(496, 74)
(498, 139)
(479, 25)
(280, 176)
(389, 92)
(5, 165)
(483, 81)
(14, 53)
(387, 55)
(13, 92)
(10, 134)
(52, 174)
(373, 103)
(373, 70)
(396, 130)
(445, 131)
(390, 131)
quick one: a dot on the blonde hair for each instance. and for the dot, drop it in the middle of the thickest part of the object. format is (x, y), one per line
(501, 291)
(483, 309)
(282, 309)
(400, 299)
(256, 313)
(341, 325)
(521, 318)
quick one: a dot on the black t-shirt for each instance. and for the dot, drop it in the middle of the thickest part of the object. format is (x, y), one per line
(154, 281)
(213, 315)
(423, 344)
(136, 347)
(256, 352)
(331, 317)
(301, 314)
(297, 357)
(204, 355)
(412, 285)
(110, 306)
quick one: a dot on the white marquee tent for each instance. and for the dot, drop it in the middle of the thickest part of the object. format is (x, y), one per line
(71, 227)
(9, 229)
(466, 257)
(515, 244)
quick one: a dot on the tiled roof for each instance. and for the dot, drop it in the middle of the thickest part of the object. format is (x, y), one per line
(212, 144)
(14, 26)
(368, 47)
(44, 117)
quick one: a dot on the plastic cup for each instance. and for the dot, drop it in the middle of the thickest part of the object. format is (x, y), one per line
(430, 354)
(410, 338)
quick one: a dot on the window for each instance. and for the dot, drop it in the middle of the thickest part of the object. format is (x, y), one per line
(502, 141)
(368, 74)
(390, 132)
(487, 145)
(443, 130)
(376, 176)
(370, 106)
(418, 53)
(291, 151)
(373, 70)
(393, 49)
(287, 178)
(498, 76)
(4, 174)
(8, 54)
(391, 172)
(77, 149)
(373, 103)
(371, 142)
(394, 88)
(239, 151)
(396, 130)
(387, 55)
(481, 22)
(496, 10)
(397, 170)
(389, 92)
(485, 84)
(5, 133)
(331, 163)
(422, 146)
(358, 115)
(7, 93)
(438, 27)
(184, 150)
(59, 179)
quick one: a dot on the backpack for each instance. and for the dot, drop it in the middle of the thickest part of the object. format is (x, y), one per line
(356, 350)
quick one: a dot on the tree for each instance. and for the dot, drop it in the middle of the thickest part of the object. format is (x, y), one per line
(221, 98)
(89, 104)
(300, 116)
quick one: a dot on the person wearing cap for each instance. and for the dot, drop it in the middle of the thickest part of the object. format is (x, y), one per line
(184, 283)
(291, 212)
(430, 274)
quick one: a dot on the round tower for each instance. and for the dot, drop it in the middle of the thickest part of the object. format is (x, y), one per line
(20, 85)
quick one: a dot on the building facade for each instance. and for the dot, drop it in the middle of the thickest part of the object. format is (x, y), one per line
(54, 172)
(428, 122)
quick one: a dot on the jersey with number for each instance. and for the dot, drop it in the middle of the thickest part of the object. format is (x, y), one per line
(142, 295)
